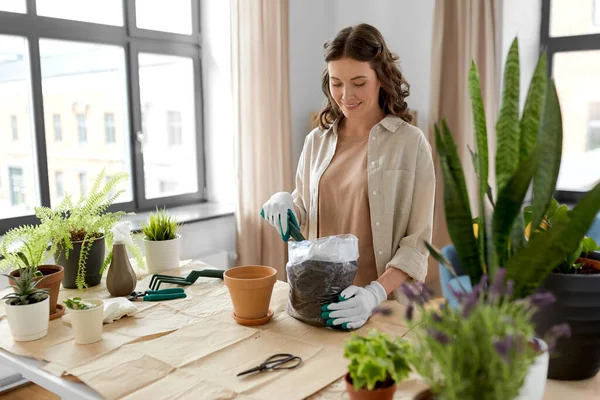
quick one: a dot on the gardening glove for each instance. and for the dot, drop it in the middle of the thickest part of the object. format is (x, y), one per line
(275, 212)
(355, 307)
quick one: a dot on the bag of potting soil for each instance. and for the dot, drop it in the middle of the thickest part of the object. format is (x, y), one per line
(318, 271)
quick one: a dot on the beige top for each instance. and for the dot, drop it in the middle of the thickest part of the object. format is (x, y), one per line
(401, 186)
(344, 202)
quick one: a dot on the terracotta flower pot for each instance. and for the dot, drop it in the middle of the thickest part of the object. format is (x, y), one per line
(250, 288)
(53, 275)
(384, 393)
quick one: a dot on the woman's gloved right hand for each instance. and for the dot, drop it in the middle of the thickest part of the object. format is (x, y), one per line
(276, 212)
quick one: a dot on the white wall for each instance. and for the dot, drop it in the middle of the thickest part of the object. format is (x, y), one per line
(406, 25)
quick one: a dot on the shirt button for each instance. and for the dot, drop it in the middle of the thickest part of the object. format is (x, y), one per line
(377, 223)
(380, 252)
(373, 138)
(373, 163)
(374, 193)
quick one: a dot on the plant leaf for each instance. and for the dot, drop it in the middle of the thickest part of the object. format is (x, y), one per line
(456, 205)
(532, 264)
(507, 126)
(550, 145)
(530, 121)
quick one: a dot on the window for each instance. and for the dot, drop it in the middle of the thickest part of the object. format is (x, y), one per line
(83, 189)
(82, 127)
(174, 128)
(57, 128)
(14, 127)
(101, 69)
(571, 34)
(58, 179)
(109, 127)
(17, 186)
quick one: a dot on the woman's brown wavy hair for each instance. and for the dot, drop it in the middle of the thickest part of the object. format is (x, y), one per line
(365, 43)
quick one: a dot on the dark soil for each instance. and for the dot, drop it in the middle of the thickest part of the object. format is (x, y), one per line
(79, 235)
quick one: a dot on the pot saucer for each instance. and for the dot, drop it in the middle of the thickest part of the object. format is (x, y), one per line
(253, 322)
(60, 310)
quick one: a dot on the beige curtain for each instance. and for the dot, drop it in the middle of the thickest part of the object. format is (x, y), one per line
(263, 126)
(464, 30)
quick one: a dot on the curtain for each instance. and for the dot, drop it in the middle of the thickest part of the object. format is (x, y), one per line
(464, 31)
(262, 123)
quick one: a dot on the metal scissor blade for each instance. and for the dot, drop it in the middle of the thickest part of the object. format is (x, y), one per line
(255, 369)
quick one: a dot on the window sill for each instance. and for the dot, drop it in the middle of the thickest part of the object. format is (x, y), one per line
(186, 214)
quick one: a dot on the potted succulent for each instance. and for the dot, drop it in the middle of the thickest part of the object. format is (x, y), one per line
(27, 308)
(81, 231)
(529, 150)
(377, 363)
(484, 349)
(575, 282)
(27, 247)
(86, 319)
(161, 242)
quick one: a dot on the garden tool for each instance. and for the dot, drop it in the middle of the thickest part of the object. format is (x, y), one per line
(294, 228)
(157, 279)
(158, 295)
(275, 362)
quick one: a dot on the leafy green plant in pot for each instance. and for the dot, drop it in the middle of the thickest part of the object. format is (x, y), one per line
(377, 363)
(27, 247)
(81, 231)
(162, 242)
(86, 319)
(483, 350)
(529, 149)
(27, 308)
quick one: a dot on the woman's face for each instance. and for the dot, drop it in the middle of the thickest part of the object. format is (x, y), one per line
(354, 86)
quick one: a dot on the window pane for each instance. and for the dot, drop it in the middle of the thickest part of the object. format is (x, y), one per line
(81, 82)
(169, 151)
(16, 6)
(157, 15)
(570, 18)
(19, 188)
(577, 76)
(107, 12)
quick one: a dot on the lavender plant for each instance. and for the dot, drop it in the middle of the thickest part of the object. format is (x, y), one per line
(481, 350)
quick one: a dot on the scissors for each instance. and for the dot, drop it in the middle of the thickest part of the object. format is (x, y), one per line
(275, 362)
(158, 295)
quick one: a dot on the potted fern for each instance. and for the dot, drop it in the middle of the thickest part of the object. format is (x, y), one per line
(27, 308)
(529, 149)
(161, 242)
(376, 364)
(26, 248)
(81, 231)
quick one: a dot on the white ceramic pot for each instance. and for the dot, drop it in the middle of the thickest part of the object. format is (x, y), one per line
(535, 380)
(28, 322)
(162, 255)
(87, 324)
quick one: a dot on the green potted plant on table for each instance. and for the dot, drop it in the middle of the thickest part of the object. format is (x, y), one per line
(86, 319)
(162, 242)
(27, 308)
(529, 149)
(26, 248)
(484, 350)
(376, 364)
(81, 231)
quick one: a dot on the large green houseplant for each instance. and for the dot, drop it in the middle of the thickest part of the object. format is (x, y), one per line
(81, 231)
(529, 149)
(26, 248)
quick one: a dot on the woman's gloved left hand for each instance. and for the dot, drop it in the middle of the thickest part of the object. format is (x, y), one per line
(355, 307)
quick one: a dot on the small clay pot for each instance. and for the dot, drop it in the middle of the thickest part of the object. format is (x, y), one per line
(53, 275)
(384, 393)
(250, 288)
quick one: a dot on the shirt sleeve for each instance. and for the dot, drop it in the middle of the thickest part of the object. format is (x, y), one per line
(302, 174)
(411, 255)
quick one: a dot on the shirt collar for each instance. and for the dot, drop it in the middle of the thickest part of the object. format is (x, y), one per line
(389, 122)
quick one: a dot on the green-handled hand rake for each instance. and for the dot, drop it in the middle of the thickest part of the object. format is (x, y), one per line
(158, 279)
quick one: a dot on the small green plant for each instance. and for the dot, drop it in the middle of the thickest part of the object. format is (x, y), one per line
(376, 360)
(160, 226)
(86, 220)
(75, 303)
(25, 289)
(481, 350)
(25, 246)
